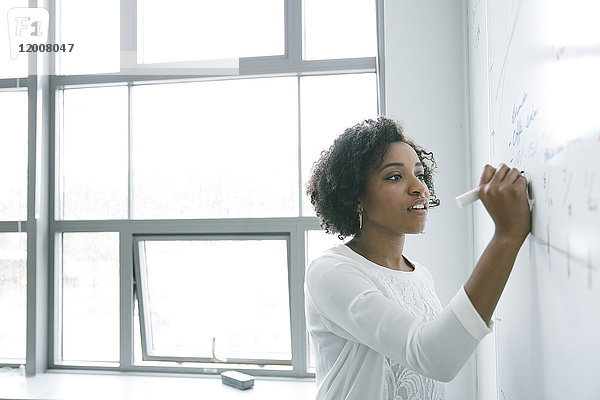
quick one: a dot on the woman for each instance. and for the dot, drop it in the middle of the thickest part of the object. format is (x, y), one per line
(377, 326)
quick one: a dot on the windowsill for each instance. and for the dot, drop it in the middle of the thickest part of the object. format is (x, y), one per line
(132, 386)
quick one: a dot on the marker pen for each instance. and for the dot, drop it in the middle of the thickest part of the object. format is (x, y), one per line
(472, 195)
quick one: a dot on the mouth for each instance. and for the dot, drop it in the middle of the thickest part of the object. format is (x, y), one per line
(419, 208)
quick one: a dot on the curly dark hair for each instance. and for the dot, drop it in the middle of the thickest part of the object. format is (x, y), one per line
(340, 174)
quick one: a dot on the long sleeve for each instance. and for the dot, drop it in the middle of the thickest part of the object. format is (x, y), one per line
(352, 307)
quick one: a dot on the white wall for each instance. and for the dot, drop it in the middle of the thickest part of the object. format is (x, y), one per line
(427, 89)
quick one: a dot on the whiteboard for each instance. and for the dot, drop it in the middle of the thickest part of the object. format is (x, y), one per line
(540, 93)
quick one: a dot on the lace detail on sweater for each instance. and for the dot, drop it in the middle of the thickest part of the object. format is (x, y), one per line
(418, 297)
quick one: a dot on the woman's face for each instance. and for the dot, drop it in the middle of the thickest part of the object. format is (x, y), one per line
(396, 198)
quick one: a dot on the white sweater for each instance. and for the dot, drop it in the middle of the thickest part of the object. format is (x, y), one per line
(382, 334)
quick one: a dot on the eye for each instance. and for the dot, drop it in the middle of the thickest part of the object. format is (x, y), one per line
(421, 177)
(395, 177)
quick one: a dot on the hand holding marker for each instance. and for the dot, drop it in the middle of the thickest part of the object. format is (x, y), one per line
(473, 195)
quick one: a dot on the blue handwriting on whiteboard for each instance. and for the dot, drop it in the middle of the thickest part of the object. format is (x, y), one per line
(510, 39)
(530, 118)
(517, 109)
(552, 152)
(516, 119)
(516, 137)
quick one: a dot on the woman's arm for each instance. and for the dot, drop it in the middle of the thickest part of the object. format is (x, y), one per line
(503, 193)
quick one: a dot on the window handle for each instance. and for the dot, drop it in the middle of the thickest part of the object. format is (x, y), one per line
(214, 357)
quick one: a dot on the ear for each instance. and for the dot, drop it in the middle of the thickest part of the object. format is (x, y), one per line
(359, 206)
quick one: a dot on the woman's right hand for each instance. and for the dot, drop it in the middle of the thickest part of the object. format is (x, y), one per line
(503, 192)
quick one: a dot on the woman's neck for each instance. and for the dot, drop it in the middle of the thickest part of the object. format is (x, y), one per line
(381, 249)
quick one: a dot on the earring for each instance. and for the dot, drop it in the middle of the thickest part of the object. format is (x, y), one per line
(360, 220)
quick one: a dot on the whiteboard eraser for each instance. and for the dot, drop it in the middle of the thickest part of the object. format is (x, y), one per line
(237, 380)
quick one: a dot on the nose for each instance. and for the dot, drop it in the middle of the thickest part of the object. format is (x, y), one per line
(418, 187)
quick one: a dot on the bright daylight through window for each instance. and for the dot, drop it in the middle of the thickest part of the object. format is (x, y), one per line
(173, 196)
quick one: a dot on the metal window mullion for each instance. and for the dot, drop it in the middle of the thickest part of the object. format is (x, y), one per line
(126, 300)
(293, 31)
(31, 348)
(10, 84)
(141, 294)
(380, 59)
(203, 237)
(297, 318)
(55, 247)
(54, 197)
(57, 349)
(37, 215)
(129, 151)
(251, 67)
(128, 44)
(13, 226)
(190, 226)
(54, 186)
(299, 113)
(221, 364)
(128, 35)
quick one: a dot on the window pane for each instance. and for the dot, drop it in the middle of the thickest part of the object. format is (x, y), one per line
(330, 104)
(339, 29)
(205, 30)
(90, 297)
(10, 68)
(94, 28)
(196, 294)
(319, 241)
(13, 296)
(216, 149)
(13, 156)
(94, 153)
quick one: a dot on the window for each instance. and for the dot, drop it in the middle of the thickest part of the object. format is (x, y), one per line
(13, 224)
(13, 155)
(216, 149)
(187, 31)
(93, 154)
(13, 296)
(339, 29)
(179, 145)
(95, 39)
(89, 297)
(236, 289)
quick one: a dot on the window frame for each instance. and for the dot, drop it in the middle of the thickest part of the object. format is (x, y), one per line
(141, 294)
(294, 228)
(44, 229)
